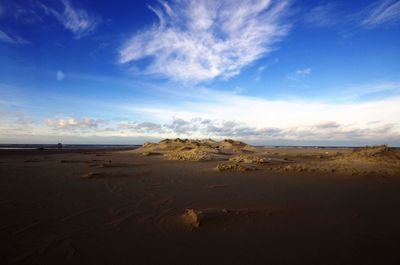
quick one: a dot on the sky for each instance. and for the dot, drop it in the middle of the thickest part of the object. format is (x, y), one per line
(266, 72)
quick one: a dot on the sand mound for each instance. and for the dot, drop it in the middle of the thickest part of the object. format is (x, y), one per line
(193, 150)
(231, 144)
(379, 153)
(249, 159)
(189, 155)
(374, 151)
(194, 218)
(175, 144)
(230, 166)
(235, 146)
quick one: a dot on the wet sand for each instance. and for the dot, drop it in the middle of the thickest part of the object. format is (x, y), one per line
(120, 207)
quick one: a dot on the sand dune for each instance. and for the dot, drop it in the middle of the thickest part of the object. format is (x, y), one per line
(182, 148)
(239, 156)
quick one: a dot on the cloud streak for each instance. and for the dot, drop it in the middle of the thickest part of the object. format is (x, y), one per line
(299, 74)
(228, 115)
(141, 127)
(78, 21)
(73, 123)
(387, 11)
(321, 15)
(202, 40)
(327, 132)
(333, 14)
(258, 118)
(14, 123)
(12, 39)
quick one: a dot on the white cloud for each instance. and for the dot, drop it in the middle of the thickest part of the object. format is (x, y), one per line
(143, 127)
(25, 13)
(234, 115)
(325, 131)
(347, 21)
(299, 74)
(203, 113)
(373, 88)
(202, 40)
(73, 123)
(303, 72)
(12, 39)
(323, 15)
(386, 11)
(77, 20)
(60, 75)
(261, 69)
(14, 123)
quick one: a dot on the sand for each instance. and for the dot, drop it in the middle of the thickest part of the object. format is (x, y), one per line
(294, 206)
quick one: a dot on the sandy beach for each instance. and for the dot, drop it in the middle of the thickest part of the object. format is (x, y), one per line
(200, 202)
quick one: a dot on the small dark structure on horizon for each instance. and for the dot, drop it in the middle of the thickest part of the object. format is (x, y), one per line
(59, 146)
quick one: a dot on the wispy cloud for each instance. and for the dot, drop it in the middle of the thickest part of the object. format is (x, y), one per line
(73, 123)
(78, 21)
(12, 39)
(264, 120)
(347, 21)
(325, 131)
(261, 69)
(221, 114)
(26, 13)
(15, 122)
(197, 127)
(298, 75)
(303, 72)
(141, 127)
(324, 15)
(387, 11)
(202, 40)
(356, 92)
(322, 132)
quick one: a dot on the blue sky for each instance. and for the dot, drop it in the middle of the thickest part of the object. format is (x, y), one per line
(267, 72)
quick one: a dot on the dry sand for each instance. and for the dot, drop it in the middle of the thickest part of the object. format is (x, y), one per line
(200, 202)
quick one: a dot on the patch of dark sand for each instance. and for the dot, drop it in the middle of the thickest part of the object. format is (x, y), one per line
(75, 161)
(151, 154)
(218, 186)
(96, 153)
(33, 160)
(97, 175)
(195, 218)
(116, 165)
